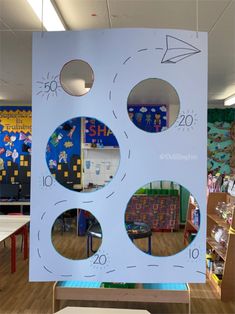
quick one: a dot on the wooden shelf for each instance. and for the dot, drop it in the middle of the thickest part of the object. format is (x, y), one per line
(226, 289)
(219, 221)
(189, 225)
(192, 225)
(219, 249)
(215, 286)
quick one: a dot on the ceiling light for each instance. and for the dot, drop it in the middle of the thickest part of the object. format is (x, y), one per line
(230, 101)
(49, 16)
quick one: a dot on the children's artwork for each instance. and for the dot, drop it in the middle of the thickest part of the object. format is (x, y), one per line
(220, 148)
(150, 118)
(1, 164)
(15, 141)
(177, 155)
(60, 148)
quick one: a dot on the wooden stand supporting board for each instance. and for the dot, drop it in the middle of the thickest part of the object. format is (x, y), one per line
(150, 293)
(92, 310)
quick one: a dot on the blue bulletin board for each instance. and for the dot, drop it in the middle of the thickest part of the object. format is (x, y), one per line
(64, 143)
(98, 133)
(150, 118)
(15, 134)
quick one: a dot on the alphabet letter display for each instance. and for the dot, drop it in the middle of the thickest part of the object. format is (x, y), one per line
(120, 59)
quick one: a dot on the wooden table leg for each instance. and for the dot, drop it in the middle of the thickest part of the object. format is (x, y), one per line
(25, 242)
(13, 253)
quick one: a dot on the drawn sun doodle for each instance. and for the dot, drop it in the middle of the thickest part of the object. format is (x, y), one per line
(187, 120)
(49, 86)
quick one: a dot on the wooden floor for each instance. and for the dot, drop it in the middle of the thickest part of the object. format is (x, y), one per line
(17, 295)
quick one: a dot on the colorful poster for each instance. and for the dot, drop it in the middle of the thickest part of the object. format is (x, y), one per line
(15, 134)
(97, 133)
(150, 118)
(64, 143)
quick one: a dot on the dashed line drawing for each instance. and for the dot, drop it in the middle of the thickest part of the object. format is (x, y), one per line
(179, 266)
(110, 271)
(114, 79)
(48, 270)
(43, 215)
(60, 202)
(177, 50)
(127, 59)
(153, 265)
(129, 154)
(144, 49)
(38, 235)
(110, 95)
(110, 195)
(132, 266)
(66, 275)
(114, 114)
(88, 202)
(200, 272)
(39, 255)
(123, 177)
(89, 276)
(125, 134)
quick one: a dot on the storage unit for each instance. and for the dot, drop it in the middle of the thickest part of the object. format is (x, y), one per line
(224, 288)
(190, 229)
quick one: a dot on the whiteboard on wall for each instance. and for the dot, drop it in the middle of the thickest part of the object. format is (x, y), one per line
(120, 59)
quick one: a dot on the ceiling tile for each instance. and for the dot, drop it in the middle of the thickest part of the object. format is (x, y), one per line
(78, 14)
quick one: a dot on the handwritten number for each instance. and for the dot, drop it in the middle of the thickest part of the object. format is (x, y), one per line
(47, 87)
(100, 259)
(53, 85)
(193, 253)
(50, 86)
(186, 120)
(47, 181)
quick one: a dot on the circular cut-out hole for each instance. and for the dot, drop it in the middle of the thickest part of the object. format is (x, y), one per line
(83, 154)
(153, 105)
(154, 217)
(82, 232)
(76, 77)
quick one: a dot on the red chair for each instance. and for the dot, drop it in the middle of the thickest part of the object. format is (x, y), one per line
(24, 232)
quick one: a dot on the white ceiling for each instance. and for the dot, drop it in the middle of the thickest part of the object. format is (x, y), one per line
(217, 17)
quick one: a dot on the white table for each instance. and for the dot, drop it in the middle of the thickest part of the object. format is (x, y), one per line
(93, 310)
(21, 204)
(9, 224)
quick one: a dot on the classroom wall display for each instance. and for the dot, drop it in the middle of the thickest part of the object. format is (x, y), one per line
(63, 153)
(82, 154)
(178, 154)
(151, 118)
(221, 153)
(15, 143)
(98, 134)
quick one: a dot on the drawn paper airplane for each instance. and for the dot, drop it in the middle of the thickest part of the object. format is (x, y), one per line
(177, 50)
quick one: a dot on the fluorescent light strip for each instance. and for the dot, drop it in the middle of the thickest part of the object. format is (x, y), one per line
(229, 101)
(49, 18)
